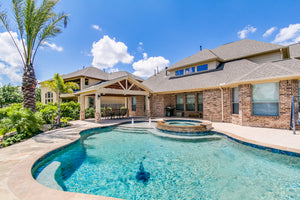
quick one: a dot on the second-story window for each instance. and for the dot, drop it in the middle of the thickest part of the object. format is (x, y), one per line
(189, 70)
(86, 81)
(202, 68)
(179, 72)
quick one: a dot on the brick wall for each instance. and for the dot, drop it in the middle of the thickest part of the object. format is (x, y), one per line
(212, 107)
(157, 106)
(287, 89)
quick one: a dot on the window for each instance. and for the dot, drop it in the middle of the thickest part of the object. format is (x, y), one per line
(189, 70)
(133, 107)
(202, 68)
(179, 72)
(190, 102)
(235, 100)
(179, 102)
(48, 97)
(265, 99)
(200, 101)
(86, 81)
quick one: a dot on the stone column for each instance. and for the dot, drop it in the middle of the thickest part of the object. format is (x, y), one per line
(82, 113)
(98, 107)
(148, 110)
(86, 102)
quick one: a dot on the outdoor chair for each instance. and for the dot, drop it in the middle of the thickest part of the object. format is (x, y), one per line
(123, 112)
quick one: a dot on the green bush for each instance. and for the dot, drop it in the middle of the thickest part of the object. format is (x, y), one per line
(49, 113)
(89, 113)
(70, 109)
(24, 121)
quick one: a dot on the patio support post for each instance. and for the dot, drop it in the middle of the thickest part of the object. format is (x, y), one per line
(148, 106)
(82, 103)
(98, 107)
(86, 102)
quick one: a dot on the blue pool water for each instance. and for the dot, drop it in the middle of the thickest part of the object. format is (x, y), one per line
(108, 163)
(182, 122)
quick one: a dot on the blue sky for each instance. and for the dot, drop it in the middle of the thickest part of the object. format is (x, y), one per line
(140, 35)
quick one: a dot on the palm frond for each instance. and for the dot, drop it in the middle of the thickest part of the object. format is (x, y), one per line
(19, 15)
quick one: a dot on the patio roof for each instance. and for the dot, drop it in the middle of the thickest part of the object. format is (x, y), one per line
(125, 85)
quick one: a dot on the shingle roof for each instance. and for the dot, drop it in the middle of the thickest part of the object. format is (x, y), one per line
(244, 48)
(228, 73)
(230, 51)
(93, 72)
(224, 74)
(204, 55)
(123, 73)
(295, 50)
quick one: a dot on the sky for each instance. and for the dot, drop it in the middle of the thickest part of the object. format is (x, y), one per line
(139, 36)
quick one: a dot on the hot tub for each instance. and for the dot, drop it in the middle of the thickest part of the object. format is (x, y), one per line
(184, 127)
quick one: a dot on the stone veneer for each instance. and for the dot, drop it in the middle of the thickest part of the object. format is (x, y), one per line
(212, 106)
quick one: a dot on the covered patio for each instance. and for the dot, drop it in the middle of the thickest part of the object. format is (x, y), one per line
(123, 91)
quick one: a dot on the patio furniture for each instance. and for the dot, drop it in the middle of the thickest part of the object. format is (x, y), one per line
(123, 112)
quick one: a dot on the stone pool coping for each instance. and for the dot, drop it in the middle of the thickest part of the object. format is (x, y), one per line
(16, 161)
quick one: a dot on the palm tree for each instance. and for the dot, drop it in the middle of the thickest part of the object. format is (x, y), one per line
(35, 26)
(60, 87)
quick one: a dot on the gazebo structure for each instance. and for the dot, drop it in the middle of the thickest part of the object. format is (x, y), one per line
(125, 87)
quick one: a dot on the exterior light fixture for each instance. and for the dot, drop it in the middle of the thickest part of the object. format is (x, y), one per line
(99, 96)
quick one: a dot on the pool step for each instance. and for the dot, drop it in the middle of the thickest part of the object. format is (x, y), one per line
(131, 129)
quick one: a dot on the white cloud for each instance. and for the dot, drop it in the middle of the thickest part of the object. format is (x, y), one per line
(288, 35)
(269, 31)
(107, 53)
(96, 27)
(248, 29)
(140, 47)
(53, 46)
(112, 70)
(145, 67)
(10, 61)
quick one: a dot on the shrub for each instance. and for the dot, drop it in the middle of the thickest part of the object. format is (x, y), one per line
(89, 113)
(24, 121)
(70, 109)
(49, 113)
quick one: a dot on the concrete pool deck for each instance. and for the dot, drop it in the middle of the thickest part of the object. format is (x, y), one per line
(16, 181)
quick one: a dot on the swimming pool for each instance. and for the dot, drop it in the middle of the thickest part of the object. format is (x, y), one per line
(108, 162)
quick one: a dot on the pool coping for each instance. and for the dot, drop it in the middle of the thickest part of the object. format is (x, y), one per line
(20, 184)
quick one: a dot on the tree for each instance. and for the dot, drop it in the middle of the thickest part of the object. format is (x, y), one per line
(10, 94)
(38, 94)
(60, 87)
(35, 26)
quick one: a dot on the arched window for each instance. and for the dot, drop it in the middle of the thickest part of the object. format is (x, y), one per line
(48, 97)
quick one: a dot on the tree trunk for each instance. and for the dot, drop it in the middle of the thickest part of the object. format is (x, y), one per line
(28, 87)
(58, 115)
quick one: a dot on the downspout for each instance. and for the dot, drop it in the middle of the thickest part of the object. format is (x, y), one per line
(222, 102)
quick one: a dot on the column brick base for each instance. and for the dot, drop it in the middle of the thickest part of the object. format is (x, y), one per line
(82, 115)
(97, 117)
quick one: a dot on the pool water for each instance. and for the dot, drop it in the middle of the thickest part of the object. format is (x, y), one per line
(182, 123)
(107, 162)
